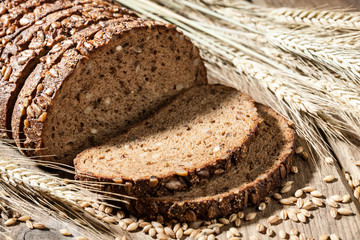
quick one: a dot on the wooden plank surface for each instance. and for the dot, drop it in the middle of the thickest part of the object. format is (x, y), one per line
(346, 227)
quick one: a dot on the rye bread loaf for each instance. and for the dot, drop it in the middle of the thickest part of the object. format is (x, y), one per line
(101, 86)
(34, 42)
(203, 132)
(267, 163)
(66, 48)
(20, 56)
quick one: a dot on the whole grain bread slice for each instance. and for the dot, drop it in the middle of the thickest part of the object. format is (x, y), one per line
(36, 41)
(267, 163)
(76, 103)
(203, 132)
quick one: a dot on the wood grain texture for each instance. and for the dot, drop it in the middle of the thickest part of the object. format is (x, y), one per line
(346, 227)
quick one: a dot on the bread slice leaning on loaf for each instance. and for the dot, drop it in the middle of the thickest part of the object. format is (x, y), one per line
(267, 163)
(203, 132)
(101, 85)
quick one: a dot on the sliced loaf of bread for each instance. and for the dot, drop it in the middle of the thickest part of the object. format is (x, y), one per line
(34, 42)
(267, 163)
(203, 132)
(102, 85)
(23, 51)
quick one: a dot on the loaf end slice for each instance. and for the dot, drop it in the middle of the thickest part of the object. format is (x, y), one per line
(203, 132)
(104, 85)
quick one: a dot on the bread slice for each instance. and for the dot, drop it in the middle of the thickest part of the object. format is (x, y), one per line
(101, 86)
(22, 54)
(203, 132)
(34, 42)
(267, 163)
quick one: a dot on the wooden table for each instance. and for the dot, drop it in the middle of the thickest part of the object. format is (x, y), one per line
(346, 227)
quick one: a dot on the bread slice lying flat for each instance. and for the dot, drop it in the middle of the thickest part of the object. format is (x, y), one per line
(203, 132)
(267, 163)
(97, 87)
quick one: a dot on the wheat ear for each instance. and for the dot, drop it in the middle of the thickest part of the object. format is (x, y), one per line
(345, 63)
(318, 18)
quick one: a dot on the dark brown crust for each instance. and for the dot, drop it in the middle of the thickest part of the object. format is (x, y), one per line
(29, 89)
(142, 187)
(15, 10)
(90, 14)
(86, 15)
(219, 205)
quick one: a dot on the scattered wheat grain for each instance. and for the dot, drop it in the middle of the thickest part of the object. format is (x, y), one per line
(308, 189)
(237, 222)
(179, 233)
(39, 226)
(24, 218)
(277, 196)
(273, 219)
(286, 189)
(345, 211)
(65, 232)
(29, 224)
(301, 217)
(299, 193)
(318, 202)
(336, 198)
(260, 228)
(224, 221)
(299, 150)
(324, 237)
(269, 232)
(233, 217)
(329, 178)
(346, 198)
(10, 221)
(132, 227)
(283, 214)
(316, 193)
(250, 216)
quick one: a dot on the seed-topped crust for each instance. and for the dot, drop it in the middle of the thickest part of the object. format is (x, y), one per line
(201, 153)
(34, 101)
(12, 11)
(37, 40)
(244, 185)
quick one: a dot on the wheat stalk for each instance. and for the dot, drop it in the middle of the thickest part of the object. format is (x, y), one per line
(317, 18)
